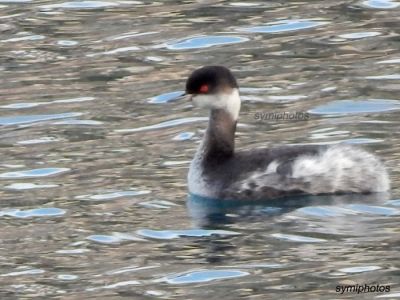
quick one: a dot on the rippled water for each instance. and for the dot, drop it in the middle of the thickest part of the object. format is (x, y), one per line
(95, 148)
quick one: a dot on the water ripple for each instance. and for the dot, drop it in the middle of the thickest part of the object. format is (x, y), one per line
(115, 51)
(73, 251)
(79, 122)
(297, 238)
(345, 107)
(74, 73)
(362, 141)
(173, 234)
(34, 37)
(158, 204)
(128, 35)
(167, 97)
(183, 136)
(205, 42)
(166, 124)
(37, 212)
(67, 43)
(380, 4)
(15, 1)
(360, 269)
(17, 120)
(84, 5)
(115, 285)
(384, 77)
(129, 269)
(29, 186)
(393, 202)
(173, 163)
(391, 296)
(112, 195)
(285, 26)
(325, 211)
(374, 210)
(34, 173)
(24, 272)
(42, 140)
(390, 61)
(359, 35)
(34, 104)
(245, 4)
(121, 283)
(203, 276)
(115, 238)
(67, 277)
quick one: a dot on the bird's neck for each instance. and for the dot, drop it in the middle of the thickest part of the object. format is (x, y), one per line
(219, 140)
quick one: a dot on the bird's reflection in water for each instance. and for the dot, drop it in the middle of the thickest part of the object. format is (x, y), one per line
(213, 213)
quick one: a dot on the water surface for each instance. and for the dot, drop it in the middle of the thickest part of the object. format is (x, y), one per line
(95, 148)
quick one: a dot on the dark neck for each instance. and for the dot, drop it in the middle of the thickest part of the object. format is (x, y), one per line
(219, 143)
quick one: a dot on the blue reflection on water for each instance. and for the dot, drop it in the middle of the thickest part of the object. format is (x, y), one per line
(375, 210)
(380, 4)
(204, 276)
(173, 234)
(167, 97)
(321, 211)
(104, 239)
(284, 26)
(344, 107)
(183, 136)
(393, 202)
(33, 173)
(359, 35)
(81, 5)
(16, 120)
(37, 212)
(115, 238)
(165, 124)
(205, 42)
(297, 238)
(360, 269)
(208, 212)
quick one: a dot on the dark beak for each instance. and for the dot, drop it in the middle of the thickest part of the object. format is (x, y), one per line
(184, 96)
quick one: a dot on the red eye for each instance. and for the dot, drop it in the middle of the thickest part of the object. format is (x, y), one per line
(204, 88)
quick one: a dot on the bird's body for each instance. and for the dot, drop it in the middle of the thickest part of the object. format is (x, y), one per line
(218, 171)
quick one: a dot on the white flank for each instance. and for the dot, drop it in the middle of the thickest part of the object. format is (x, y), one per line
(342, 168)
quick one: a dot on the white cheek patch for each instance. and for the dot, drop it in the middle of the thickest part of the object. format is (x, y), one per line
(207, 101)
(228, 101)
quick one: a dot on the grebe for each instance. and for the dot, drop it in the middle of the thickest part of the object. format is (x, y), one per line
(218, 171)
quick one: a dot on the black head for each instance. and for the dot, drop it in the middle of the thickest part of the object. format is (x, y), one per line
(210, 80)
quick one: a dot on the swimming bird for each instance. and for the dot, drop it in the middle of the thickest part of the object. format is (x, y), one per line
(219, 171)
